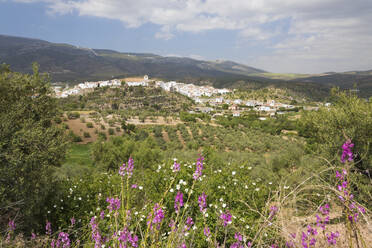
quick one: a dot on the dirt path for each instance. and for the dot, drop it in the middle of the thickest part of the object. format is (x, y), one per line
(189, 131)
(165, 136)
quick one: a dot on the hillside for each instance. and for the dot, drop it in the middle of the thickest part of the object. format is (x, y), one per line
(69, 63)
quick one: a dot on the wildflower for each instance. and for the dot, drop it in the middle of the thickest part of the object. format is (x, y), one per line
(127, 237)
(346, 151)
(63, 239)
(178, 201)
(189, 223)
(183, 246)
(238, 236)
(158, 216)
(33, 236)
(102, 215)
(332, 238)
(273, 211)
(199, 168)
(72, 221)
(127, 169)
(11, 225)
(48, 228)
(324, 209)
(226, 217)
(207, 231)
(134, 186)
(176, 166)
(202, 200)
(114, 204)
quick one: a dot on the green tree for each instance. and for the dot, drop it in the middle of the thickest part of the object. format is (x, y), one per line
(31, 145)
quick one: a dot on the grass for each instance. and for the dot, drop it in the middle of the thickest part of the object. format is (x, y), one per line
(78, 161)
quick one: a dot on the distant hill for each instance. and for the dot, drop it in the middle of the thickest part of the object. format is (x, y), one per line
(68, 63)
(65, 62)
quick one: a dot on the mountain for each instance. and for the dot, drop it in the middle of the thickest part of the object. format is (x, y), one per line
(68, 63)
(65, 62)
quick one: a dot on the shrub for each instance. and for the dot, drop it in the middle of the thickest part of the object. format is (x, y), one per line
(111, 131)
(89, 125)
(118, 129)
(102, 135)
(86, 135)
(103, 127)
(73, 115)
(82, 119)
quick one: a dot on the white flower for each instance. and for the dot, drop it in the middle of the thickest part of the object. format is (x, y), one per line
(247, 226)
(171, 190)
(270, 183)
(186, 234)
(55, 206)
(206, 215)
(98, 208)
(61, 200)
(224, 205)
(186, 190)
(194, 227)
(219, 171)
(253, 183)
(175, 159)
(135, 213)
(233, 173)
(178, 187)
(246, 186)
(140, 187)
(257, 189)
(219, 187)
(221, 199)
(79, 198)
(249, 168)
(184, 183)
(48, 211)
(286, 187)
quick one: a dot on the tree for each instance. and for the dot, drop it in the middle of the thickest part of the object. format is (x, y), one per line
(31, 144)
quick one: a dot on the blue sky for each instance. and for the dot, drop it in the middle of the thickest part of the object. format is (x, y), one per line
(299, 36)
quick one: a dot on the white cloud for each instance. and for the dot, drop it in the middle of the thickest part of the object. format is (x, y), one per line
(318, 30)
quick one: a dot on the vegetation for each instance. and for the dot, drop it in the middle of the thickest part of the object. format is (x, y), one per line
(205, 182)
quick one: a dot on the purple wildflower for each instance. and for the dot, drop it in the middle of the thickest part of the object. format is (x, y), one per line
(238, 236)
(127, 169)
(63, 239)
(332, 238)
(102, 215)
(33, 236)
(178, 201)
(189, 223)
(134, 186)
(226, 217)
(48, 228)
(176, 167)
(95, 232)
(11, 225)
(73, 221)
(346, 151)
(273, 211)
(324, 210)
(207, 231)
(202, 199)
(183, 246)
(199, 168)
(114, 204)
(158, 216)
(127, 237)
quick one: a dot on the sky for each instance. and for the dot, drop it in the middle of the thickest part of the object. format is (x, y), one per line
(284, 36)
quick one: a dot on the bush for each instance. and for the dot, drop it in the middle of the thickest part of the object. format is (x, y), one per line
(102, 135)
(89, 125)
(86, 135)
(103, 127)
(118, 129)
(73, 115)
(82, 119)
(57, 120)
(111, 131)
